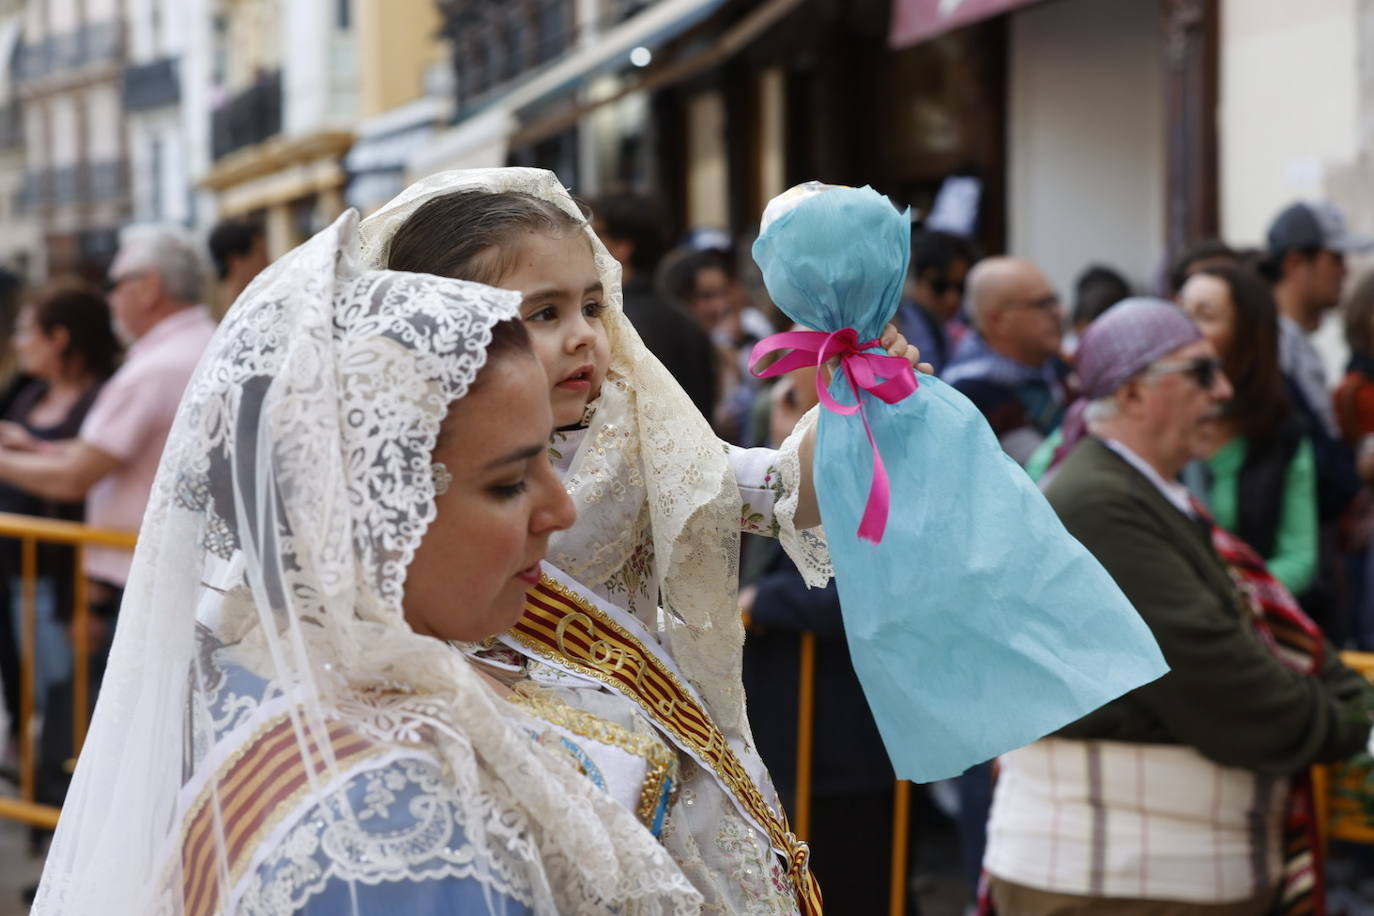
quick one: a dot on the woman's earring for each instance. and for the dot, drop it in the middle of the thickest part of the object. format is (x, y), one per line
(442, 478)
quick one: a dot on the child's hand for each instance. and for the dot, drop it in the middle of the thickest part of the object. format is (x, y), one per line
(896, 345)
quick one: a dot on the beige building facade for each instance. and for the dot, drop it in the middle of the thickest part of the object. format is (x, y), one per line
(69, 82)
(405, 83)
(21, 249)
(281, 122)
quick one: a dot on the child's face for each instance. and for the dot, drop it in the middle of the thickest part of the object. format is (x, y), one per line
(562, 312)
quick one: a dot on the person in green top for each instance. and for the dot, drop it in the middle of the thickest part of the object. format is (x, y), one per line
(1261, 482)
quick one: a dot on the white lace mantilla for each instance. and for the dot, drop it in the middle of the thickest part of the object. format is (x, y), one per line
(292, 494)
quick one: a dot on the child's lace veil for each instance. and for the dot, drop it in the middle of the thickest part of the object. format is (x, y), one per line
(692, 496)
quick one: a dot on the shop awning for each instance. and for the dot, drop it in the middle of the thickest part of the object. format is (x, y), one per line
(763, 16)
(915, 21)
(609, 50)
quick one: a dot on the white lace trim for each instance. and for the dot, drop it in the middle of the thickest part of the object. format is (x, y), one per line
(807, 547)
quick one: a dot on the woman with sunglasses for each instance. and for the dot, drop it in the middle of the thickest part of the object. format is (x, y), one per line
(1260, 484)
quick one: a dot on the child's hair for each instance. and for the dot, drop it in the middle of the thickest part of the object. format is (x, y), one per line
(471, 235)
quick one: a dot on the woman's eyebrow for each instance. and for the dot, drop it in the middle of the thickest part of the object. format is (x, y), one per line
(524, 453)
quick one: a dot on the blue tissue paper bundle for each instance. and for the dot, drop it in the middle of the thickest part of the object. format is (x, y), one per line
(978, 624)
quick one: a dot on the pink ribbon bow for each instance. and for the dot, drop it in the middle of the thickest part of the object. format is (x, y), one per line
(887, 378)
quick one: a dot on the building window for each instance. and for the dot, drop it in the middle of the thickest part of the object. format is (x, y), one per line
(553, 29)
(344, 14)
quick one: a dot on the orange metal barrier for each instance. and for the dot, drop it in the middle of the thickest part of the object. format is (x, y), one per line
(901, 796)
(30, 531)
(1338, 817)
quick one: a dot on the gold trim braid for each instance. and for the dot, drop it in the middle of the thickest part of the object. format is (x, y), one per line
(564, 627)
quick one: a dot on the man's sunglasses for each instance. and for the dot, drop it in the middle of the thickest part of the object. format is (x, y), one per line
(1203, 370)
(941, 285)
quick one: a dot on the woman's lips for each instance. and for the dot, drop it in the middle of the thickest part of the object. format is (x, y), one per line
(529, 574)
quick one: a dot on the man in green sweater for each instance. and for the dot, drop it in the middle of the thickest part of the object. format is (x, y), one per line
(1173, 798)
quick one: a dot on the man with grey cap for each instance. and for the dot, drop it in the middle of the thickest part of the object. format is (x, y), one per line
(1172, 799)
(1307, 246)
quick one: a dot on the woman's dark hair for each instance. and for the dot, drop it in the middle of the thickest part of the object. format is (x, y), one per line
(1097, 289)
(507, 338)
(232, 239)
(1212, 252)
(1359, 313)
(85, 317)
(1251, 362)
(636, 218)
(469, 235)
(677, 274)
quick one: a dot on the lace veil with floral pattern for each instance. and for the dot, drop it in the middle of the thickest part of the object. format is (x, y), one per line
(292, 494)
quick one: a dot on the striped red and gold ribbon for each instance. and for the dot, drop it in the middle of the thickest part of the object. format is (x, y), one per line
(253, 791)
(563, 626)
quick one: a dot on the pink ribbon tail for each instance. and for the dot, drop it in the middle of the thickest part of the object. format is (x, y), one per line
(888, 378)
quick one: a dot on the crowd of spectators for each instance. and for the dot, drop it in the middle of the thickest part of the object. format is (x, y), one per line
(1192, 441)
(93, 381)
(1194, 444)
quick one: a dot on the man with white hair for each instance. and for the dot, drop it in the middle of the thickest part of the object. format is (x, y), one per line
(1184, 797)
(155, 285)
(1010, 368)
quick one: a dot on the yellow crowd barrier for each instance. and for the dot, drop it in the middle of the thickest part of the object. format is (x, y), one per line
(801, 823)
(30, 531)
(1338, 817)
(1335, 814)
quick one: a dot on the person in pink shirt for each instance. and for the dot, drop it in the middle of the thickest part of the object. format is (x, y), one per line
(155, 286)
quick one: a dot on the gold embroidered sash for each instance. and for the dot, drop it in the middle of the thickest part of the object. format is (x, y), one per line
(263, 782)
(564, 627)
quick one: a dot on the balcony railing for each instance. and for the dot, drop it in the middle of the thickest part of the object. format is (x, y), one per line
(70, 185)
(90, 45)
(107, 180)
(33, 191)
(250, 117)
(152, 85)
(495, 42)
(66, 184)
(11, 126)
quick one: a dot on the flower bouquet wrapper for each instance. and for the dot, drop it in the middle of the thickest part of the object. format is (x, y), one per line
(976, 623)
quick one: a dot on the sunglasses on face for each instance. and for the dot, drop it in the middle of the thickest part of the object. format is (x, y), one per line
(941, 285)
(1203, 370)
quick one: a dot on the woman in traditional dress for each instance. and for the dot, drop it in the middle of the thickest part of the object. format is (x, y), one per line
(357, 477)
(661, 504)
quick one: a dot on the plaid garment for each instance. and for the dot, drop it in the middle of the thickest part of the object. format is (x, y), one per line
(1297, 643)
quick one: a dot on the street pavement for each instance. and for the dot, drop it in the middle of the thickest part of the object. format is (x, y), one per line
(18, 870)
